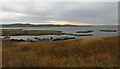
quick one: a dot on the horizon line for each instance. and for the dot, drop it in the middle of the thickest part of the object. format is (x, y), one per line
(56, 24)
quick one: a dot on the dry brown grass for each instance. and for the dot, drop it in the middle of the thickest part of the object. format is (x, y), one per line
(91, 52)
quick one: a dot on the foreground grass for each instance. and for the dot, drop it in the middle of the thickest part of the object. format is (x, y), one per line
(15, 32)
(91, 52)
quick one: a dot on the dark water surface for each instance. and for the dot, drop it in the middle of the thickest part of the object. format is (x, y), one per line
(95, 33)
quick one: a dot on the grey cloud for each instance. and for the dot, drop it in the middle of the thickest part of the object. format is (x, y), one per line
(85, 12)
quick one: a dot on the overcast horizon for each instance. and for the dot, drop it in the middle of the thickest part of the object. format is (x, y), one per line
(75, 13)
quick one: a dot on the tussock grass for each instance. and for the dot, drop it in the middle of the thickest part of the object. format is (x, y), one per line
(91, 52)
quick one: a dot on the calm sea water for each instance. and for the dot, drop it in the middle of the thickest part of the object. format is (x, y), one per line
(96, 32)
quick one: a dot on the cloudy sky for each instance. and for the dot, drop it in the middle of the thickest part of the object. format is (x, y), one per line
(77, 13)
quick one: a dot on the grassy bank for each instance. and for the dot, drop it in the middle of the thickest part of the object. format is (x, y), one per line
(91, 52)
(108, 30)
(86, 31)
(15, 32)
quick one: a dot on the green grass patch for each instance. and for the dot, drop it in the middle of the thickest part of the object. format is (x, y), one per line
(15, 32)
(108, 30)
(86, 31)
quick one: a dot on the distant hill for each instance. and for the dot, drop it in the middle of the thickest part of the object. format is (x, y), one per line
(18, 24)
(41, 25)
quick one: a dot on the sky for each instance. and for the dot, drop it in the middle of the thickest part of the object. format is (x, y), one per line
(76, 13)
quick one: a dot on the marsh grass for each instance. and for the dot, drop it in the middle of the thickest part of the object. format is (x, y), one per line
(108, 30)
(15, 32)
(85, 31)
(91, 52)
